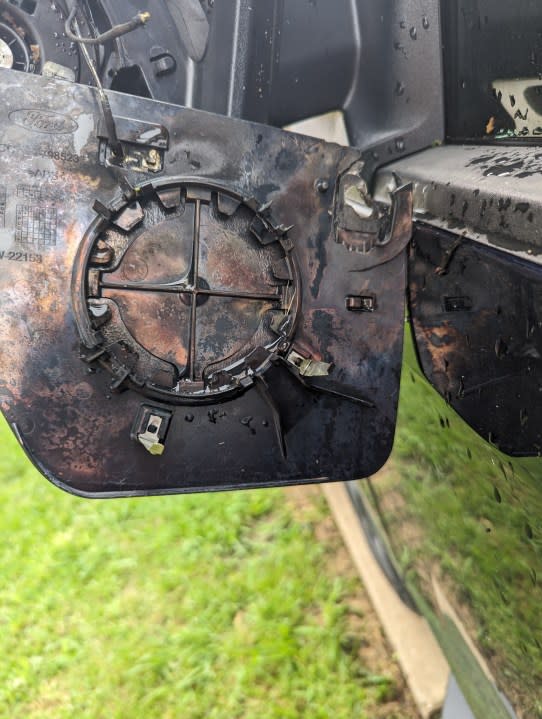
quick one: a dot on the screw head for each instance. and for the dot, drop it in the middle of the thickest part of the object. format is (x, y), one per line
(322, 186)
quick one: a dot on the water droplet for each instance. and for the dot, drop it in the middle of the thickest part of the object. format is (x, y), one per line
(425, 22)
(400, 145)
(400, 88)
(413, 33)
(528, 531)
(497, 495)
(189, 418)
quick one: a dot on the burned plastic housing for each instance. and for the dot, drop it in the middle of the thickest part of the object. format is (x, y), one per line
(205, 275)
(198, 313)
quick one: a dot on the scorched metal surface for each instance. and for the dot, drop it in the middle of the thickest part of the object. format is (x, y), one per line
(190, 320)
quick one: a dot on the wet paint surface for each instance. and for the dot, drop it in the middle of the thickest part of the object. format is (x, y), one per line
(464, 523)
(477, 319)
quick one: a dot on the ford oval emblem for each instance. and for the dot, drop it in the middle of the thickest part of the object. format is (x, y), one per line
(45, 121)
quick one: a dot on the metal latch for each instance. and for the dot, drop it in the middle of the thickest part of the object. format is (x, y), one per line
(308, 367)
(376, 231)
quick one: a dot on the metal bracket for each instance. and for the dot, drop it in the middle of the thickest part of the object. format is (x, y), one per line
(376, 231)
(144, 144)
(308, 367)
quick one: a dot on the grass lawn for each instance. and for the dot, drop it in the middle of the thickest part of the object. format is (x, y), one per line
(216, 606)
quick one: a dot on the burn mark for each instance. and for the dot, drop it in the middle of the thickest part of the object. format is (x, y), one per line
(484, 352)
(134, 306)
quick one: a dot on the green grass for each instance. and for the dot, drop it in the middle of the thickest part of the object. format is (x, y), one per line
(462, 509)
(218, 607)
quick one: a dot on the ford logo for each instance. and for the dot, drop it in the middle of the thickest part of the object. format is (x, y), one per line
(46, 121)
